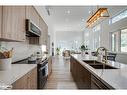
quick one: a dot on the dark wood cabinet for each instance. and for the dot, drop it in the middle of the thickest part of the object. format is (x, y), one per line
(83, 78)
(28, 81)
(97, 84)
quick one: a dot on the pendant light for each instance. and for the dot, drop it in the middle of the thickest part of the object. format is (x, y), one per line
(97, 17)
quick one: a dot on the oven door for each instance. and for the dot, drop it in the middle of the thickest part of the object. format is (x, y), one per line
(42, 76)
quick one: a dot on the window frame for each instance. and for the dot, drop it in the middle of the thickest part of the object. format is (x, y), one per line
(119, 46)
(120, 41)
(95, 30)
(119, 13)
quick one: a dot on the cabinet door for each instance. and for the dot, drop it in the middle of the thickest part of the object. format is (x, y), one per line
(13, 23)
(32, 79)
(71, 65)
(74, 69)
(41, 25)
(21, 83)
(32, 14)
(97, 84)
(28, 81)
(0, 20)
(85, 78)
(81, 75)
(49, 66)
(44, 32)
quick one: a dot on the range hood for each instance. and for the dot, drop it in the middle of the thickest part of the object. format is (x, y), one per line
(32, 30)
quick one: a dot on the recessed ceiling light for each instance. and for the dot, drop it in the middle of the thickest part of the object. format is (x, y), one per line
(68, 11)
(83, 19)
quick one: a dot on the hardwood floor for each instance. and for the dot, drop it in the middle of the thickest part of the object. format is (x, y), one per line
(61, 77)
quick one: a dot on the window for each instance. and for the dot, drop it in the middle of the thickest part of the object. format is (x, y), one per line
(86, 38)
(96, 33)
(97, 28)
(119, 41)
(124, 40)
(118, 17)
(115, 41)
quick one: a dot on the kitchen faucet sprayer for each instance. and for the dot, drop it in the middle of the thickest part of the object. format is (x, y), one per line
(104, 58)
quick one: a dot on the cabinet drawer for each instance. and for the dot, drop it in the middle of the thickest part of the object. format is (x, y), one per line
(97, 84)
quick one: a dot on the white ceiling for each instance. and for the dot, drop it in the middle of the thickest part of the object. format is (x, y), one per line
(71, 18)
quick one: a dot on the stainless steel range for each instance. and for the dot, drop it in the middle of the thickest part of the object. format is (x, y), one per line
(42, 74)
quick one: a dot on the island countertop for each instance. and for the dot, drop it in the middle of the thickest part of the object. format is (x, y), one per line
(116, 78)
(16, 72)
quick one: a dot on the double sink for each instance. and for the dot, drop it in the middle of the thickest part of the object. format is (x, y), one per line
(99, 65)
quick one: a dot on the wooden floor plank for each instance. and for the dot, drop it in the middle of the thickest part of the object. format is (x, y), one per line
(61, 77)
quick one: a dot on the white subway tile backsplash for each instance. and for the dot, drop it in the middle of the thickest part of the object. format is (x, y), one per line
(21, 49)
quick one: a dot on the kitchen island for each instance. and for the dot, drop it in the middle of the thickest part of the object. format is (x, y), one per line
(87, 77)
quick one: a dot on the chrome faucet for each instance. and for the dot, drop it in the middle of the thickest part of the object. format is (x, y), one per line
(104, 59)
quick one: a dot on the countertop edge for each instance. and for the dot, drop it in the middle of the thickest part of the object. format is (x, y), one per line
(93, 71)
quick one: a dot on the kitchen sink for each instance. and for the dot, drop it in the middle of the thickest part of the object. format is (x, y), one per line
(99, 65)
(93, 62)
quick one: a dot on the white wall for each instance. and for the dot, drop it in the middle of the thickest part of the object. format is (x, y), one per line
(88, 38)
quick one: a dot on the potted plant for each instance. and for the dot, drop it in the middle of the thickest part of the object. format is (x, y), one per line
(84, 49)
(57, 51)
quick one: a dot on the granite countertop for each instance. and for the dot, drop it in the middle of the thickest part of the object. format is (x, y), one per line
(16, 72)
(116, 78)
